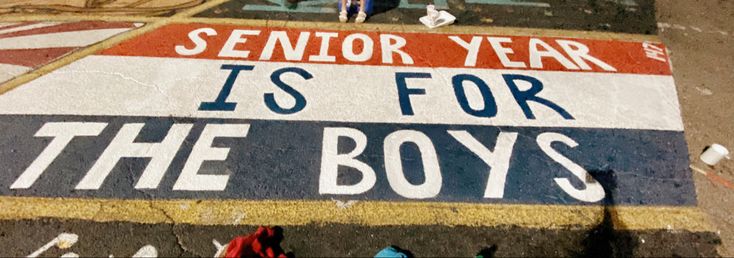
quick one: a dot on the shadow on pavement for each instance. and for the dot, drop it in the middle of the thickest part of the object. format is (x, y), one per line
(382, 6)
(487, 252)
(610, 238)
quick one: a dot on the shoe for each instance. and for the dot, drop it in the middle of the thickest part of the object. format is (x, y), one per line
(361, 17)
(343, 16)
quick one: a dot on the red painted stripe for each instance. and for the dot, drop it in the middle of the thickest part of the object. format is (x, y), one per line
(426, 49)
(32, 57)
(66, 27)
(720, 180)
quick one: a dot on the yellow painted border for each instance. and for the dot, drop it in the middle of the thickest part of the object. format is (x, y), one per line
(370, 213)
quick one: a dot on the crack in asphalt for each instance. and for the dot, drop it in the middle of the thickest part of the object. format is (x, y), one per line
(125, 78)
(99, 209)
(179, 242)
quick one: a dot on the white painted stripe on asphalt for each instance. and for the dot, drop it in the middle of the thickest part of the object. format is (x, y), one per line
(7, 24)
(60, 39)
(145, 86)
(8, 71)
(29, 27)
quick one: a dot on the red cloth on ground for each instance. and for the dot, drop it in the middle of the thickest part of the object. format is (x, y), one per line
(265, 242)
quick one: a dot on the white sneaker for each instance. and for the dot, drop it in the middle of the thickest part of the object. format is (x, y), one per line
(361, 17)
(343, 16)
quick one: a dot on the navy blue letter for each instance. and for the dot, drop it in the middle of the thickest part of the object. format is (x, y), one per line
(300, 100)
(404, 92)
(220, 103)
(522, 97)
(490, 106)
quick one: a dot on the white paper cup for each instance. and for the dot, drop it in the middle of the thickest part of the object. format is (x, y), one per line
(714, 154)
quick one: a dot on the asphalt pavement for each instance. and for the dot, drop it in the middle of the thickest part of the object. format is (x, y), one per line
(526, 128)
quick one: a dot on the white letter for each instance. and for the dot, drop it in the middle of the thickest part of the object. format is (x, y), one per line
(593, 191)
(291, 53)
(388, 49)
(234, 39)
(472, 49)
(348, 48)
(536, 55)
(331, 159)
(189, 180)
(498, 160)
(62, 133)
(578, 52)
(653, 51)
(123, 146)
(394, 167)
(324, 50)
(199, 43)
(502, 52)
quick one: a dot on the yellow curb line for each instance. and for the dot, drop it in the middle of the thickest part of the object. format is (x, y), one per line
(114, 40)
(371, 213)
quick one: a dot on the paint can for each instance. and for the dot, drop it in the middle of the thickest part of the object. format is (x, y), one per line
(714, 153)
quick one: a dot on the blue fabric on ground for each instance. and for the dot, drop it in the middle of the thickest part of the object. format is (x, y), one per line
(390, 252)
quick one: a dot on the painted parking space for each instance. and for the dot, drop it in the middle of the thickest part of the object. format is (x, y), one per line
(481, 125)
(186, 130)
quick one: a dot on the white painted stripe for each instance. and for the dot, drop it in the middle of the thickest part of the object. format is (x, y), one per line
(8, 71)
(60, 39)
(29, 27)
(7, 24)
(145, 86)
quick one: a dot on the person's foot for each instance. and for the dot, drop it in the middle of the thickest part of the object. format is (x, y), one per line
(343, 16)
(361, 17)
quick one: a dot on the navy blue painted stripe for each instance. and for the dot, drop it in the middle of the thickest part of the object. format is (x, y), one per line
(281, 160)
